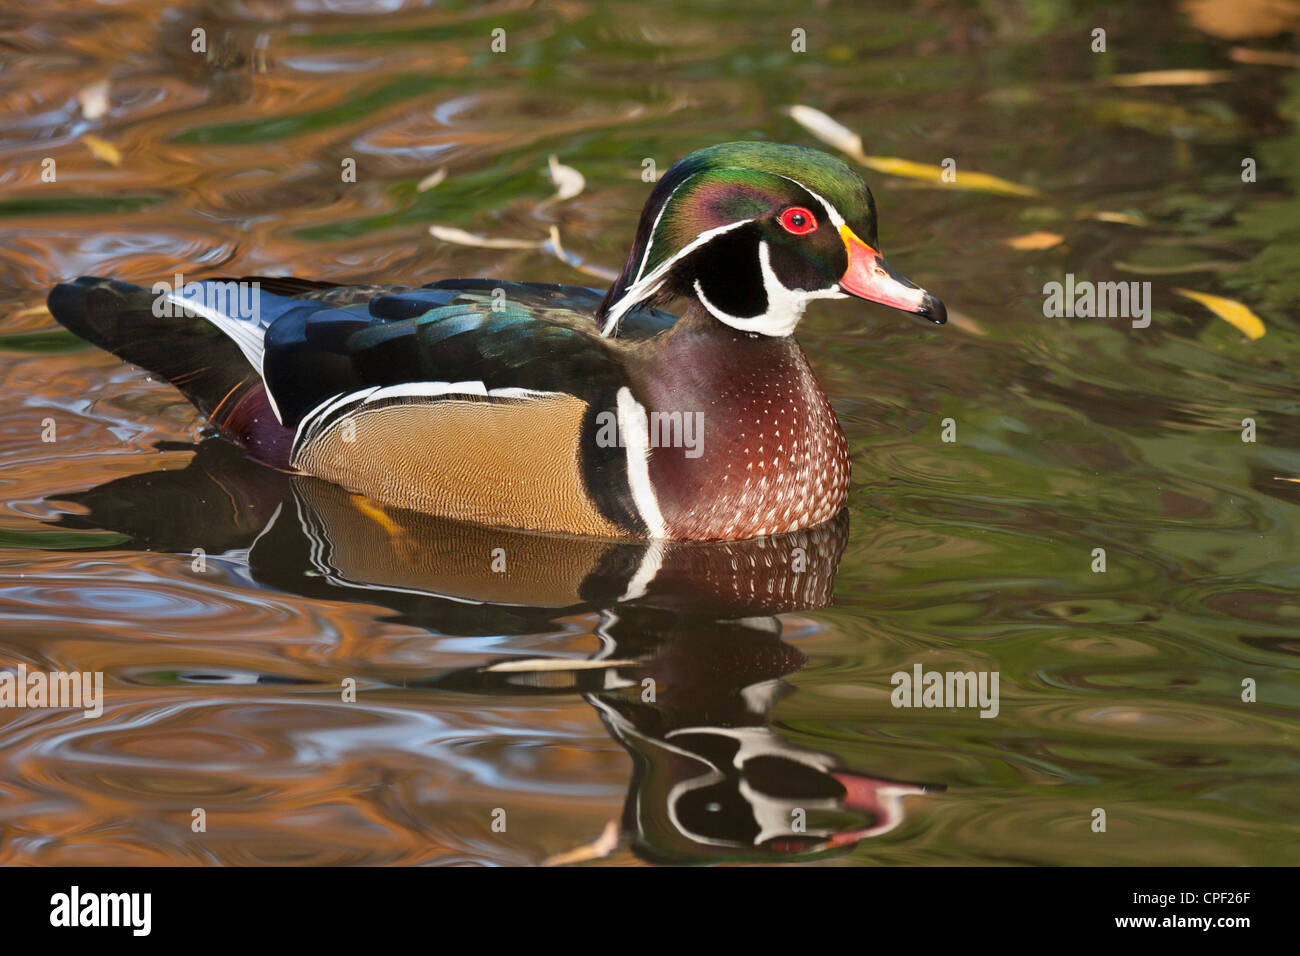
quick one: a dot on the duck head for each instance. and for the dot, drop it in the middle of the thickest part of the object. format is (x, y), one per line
(753, 232)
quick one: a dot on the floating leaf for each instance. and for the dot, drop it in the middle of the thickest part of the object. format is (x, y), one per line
(978, 182)
(836, 134)
(826, 129)
(94, 100)
(102, 149)
(463, 238)
(601, 847)
(551, 245)
(431, 180)
(1230, 310)
(1035, 240)
(568, 181)
(1124, 218)
(1239, 19)
(1170, 78)
(964, 322)
(554, 247)
(1241, 54)
(1203, 265)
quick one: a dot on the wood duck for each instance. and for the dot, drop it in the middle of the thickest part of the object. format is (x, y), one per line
(546, 407)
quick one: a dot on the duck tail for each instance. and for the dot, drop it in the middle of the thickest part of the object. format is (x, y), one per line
(214, 359)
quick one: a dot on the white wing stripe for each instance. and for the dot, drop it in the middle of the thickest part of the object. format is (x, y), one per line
(248, 335)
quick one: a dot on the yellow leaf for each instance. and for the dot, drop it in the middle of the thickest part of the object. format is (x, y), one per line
(979, 182)
(1034, 240)
(1204, 265)
(1127, 219)
(1170, 78)
(102, 149)
(1230, 310)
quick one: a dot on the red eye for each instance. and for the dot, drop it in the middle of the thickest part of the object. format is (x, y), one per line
(798, 221)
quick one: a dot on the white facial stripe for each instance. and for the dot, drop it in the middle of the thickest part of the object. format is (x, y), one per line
(620, 307)
(644, 288)
(633, 295)
(836, 219)
(785, 307)
(650, 239)
(634, 427)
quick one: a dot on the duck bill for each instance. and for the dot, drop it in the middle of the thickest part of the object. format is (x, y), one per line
(869, 277)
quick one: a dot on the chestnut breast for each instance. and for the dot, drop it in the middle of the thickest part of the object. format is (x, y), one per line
(772, 457)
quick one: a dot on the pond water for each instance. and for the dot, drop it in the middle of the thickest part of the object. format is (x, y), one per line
(502, 718)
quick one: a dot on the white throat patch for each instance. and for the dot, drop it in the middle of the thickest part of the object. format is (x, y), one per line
(784, 306)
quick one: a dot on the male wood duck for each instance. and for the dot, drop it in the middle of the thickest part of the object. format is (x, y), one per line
(546, 407)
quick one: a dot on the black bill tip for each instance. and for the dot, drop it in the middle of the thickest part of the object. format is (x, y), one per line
(933, 310)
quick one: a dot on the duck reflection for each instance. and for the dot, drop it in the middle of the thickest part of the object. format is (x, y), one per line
(691, 658)
(689, 696)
